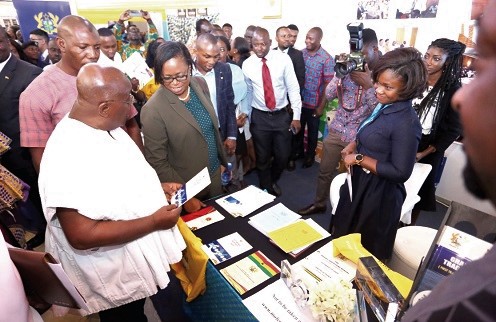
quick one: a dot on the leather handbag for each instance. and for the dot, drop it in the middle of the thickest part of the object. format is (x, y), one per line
(192, 268)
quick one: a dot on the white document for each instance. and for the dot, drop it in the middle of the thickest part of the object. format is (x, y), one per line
(205, 220)
(226, 248)
(191, 188)
(321, 265)
(348, 180)
(135, 66)
(244, 202)
(273, 218)
(64, 279)
(275, 303)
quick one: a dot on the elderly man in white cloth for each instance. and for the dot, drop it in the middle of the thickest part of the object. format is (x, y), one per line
(109, 221)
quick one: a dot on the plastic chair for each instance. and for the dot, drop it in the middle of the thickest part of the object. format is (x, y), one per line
(412, 186)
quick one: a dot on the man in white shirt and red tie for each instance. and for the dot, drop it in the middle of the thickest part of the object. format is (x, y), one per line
(271, 79)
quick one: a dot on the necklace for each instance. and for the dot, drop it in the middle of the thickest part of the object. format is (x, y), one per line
(187, 95)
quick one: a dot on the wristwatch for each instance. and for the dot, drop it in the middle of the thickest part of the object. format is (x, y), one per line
(358, 158)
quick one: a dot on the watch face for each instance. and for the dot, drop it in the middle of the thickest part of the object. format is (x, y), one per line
(359, 157)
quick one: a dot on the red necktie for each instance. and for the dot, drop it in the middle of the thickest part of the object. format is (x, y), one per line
(270, 99)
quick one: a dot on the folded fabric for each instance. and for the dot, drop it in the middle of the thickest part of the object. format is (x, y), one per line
(191, 269)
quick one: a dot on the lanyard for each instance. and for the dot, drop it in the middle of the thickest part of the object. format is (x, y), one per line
(358, 96)
(377, 110)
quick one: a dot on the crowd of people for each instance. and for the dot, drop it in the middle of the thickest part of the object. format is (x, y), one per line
(84, 131)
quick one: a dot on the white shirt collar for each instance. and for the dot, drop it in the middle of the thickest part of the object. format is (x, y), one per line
(2, 64)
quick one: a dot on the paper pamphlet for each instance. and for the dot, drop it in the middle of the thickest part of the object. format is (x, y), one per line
(295, 253)
(226, 248)
(135, 67)
(295, 235)
(202, 218)
(321, 265)
(249, 272)
(276, 303)
(191, 188)
(273, 218)
(244, 202)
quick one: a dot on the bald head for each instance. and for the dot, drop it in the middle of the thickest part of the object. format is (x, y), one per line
(261, 42)
(71, 24)
(96, 83)
(205, 40)
(103, 100)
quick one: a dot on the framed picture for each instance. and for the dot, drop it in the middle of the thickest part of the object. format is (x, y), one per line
(202, 12)
(181, 12)
(272, 9)
(191, 12)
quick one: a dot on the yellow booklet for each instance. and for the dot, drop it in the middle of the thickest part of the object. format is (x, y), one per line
(295, 235)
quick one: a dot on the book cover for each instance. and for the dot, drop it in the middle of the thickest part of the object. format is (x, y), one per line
(249, 272)
(453, 250)
(295, 236)
(226, 248)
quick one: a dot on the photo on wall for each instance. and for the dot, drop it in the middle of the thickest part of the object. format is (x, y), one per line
(408, 9)
(373, 9)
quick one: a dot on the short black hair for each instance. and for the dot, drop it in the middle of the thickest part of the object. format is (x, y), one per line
(227, 25)
(407, 63)
(41, 33)
(369, 36)
(29, 44)
(225, 41)
(200, 22)
(167, 51)
(105, 32)
(293, 27)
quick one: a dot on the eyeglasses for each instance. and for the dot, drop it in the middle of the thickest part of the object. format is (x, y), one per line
(170, 79)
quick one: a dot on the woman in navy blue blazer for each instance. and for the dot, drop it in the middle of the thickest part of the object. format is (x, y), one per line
(383, 155)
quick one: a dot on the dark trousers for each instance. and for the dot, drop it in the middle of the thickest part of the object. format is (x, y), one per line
(312, 123)
(131, 312)
(272, 140)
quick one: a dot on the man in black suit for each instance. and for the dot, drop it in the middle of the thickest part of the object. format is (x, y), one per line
(15, 76)
(284, 44)
(219, 79)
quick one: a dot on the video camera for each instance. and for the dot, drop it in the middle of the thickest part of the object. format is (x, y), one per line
(346, 63)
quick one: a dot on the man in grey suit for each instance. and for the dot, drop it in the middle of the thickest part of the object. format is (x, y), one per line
(15, 76)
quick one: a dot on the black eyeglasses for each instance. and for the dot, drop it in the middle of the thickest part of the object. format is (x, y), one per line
(170, 79)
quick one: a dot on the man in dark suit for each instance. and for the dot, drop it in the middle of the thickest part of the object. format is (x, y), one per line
(15, 76)
(284, 44)
(219, 79)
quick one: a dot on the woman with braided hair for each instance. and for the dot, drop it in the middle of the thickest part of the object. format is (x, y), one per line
(440, 123)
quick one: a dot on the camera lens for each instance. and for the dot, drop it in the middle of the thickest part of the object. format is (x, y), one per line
(344, 68)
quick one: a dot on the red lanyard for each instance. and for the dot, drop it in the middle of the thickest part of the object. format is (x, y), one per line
(358, 96)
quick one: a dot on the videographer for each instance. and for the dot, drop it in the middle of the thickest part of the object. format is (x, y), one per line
(357, 100)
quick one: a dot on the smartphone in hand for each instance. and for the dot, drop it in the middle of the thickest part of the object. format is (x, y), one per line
(135, 13)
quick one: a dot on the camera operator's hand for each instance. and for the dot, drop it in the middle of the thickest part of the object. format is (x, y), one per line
(124, 16)
(363, 79)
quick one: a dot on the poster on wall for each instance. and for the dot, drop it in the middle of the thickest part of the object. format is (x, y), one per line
(43, 15)
(378, 9)
(407, 9)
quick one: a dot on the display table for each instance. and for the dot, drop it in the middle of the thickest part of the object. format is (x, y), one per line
(220, 301)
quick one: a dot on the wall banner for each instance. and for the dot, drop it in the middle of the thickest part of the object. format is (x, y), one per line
(44, 15)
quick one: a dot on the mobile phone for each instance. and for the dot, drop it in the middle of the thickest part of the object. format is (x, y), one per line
(292, 129)
(135, 13)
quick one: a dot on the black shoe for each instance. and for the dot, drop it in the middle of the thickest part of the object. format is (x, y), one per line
(308, 163)
(276, 190)
(36, 241)
(291, 165)
(312, 209)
